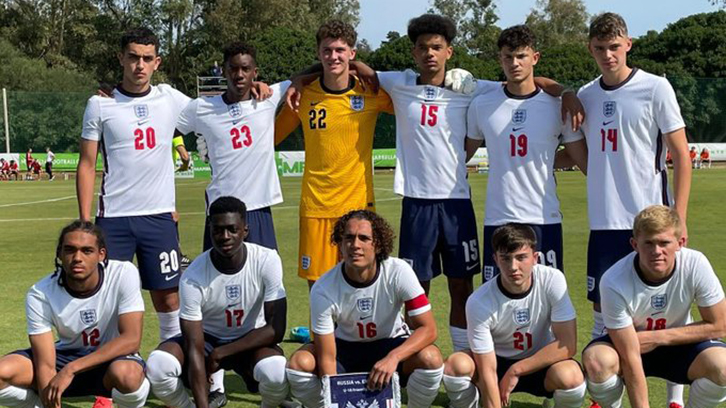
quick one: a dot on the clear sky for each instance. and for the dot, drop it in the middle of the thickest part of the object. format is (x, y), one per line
(378, 17)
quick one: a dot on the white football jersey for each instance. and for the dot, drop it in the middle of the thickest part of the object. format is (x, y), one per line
(624, 128)
(517, 326)
(430, 136)
(135, 133)
(230, 306)
(84, 322)
(627, 299)
(367, 313)
(522, 134)
(241, 141)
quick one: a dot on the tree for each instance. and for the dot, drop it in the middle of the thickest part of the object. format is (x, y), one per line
(558, 22)
(692, 54)
(476, 24)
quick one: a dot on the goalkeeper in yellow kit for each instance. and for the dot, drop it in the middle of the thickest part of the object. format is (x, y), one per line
(338, 118)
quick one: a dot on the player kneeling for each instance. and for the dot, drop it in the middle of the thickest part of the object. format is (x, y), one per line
(232, 312)
(646, 304)
(522, 332)
(357, 320)
(97, 310)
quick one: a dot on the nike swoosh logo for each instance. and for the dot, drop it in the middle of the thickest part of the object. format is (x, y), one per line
(366, 317)
(607, 123)
(170, 277)
(468, 268)
(314, 103)
(517, 129)
(141, 122)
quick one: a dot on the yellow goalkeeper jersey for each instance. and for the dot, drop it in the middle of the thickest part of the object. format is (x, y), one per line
(338, 128)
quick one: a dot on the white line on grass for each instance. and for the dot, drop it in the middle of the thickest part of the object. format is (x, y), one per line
(285, 207)
(50, 200)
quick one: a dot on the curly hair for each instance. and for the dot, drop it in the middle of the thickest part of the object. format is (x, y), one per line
(517, 37)
(239, 48)
(141, 35)
(337, 29)
(432, 24)
(383, 234)
(607, 26)
(510, 237)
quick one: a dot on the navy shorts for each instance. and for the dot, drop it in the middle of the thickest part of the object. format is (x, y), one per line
(439, 231)
(261, 229)
(669, 362)
(604, 249)
(155, 242)
(549, 246)
(242, 364)
(533, 383)
(89, 382)
(360, 357)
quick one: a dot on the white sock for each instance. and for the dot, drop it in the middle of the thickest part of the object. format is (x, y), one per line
(607, 393)
(572, 398)
(135, 399)
(217, 381)
(461, 391)
(12, 396)
(675, 393)
(423, 387)
(164, 373)
(598, 325)
(705, 394)
(168, 325)
(459, 338)
(306, 388)
(270, 373)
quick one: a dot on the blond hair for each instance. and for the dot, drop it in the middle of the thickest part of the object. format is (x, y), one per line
(607, 26)
(655, 220)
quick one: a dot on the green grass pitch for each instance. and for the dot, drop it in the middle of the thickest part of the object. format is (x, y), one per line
(32, 214)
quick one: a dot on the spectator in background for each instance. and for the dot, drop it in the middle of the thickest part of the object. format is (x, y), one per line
(705, 157)
(694, 156)
(13, 170)
(49, 163)
(28, 159)
(4, 169)
(216, 70)
(34, 173)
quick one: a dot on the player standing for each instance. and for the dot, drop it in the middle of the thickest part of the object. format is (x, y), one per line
(133, 130)
(633, 118)
(50, 156)
(338, 118)
(646, 303)
(522, 331)
(233, 314)
(96, 309)
(357, 321)
(238, 133)
(523, 128)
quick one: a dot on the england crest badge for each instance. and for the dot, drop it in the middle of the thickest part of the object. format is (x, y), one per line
(233, 292)
(357, 102)
(141, 111)
(234, 110)
(88, 317)
(521, 316)
(429, 92)
(519, 116)
(349, 391)
(609, 108)
(659, 302)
